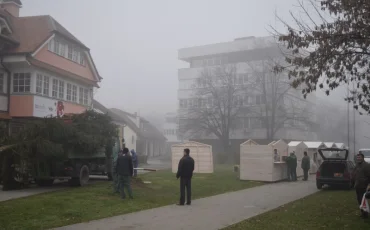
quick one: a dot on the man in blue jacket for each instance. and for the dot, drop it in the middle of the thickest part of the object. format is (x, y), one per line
(135, 161)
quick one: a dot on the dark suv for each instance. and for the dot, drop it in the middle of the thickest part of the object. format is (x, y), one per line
(335, 169)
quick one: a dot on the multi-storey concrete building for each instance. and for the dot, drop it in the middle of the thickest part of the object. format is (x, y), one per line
(250, 56)
(171, 128)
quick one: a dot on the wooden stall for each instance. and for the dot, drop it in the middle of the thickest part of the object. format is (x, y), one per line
(313, 147)
(201, 153)
(257, 161)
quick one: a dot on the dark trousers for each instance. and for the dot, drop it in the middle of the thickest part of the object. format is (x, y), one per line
(359, 194)
(305, 174)
(185, 183)
(293, 174)
(124, 182)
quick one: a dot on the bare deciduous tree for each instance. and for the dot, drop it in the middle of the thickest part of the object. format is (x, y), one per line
(279, 104)
(215, 105)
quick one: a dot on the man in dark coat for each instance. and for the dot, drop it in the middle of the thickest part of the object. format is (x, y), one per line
(292, 166)
(305, 165)
(125, 170)
(185, 173)
(362, 179)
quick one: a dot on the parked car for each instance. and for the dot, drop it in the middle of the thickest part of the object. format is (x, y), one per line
(336, 169)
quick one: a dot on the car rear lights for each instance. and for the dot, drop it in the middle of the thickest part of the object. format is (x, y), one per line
(68, 169)
(317, 174)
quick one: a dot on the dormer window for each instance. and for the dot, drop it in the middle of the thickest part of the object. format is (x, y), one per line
(66, 50)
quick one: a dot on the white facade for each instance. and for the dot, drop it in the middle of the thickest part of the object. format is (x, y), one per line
(130, 137)
(245, 54)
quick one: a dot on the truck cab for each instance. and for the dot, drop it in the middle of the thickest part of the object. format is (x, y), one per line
(366, 153)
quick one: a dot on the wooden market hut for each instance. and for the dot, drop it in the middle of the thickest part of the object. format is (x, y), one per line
(257, 161)
(201, 153)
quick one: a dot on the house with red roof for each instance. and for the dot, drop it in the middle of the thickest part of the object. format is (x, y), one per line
(44, 69)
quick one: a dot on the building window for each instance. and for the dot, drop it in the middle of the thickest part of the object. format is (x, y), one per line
(46, 85)
(61, 89)
(42, 85)
(39, 84)
(82, 58)
(58, 89)
(74, 93)
(69, 92)
(84, 96)
(55, 88)
(22, 82)
(61, 50)
(74, 55)
(51, 45)
(1, 83)
(70, 52)
(56, 46)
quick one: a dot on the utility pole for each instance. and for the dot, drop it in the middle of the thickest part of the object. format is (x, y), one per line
(348, 117)
(354, 120)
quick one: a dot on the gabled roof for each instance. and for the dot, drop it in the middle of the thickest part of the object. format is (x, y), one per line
(329, 144)
(97, 105)
(148, 131)
(128, 121)
(313, 144)
(294, 143)
(31, 32)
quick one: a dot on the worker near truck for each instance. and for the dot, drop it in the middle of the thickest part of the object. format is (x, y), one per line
(125, 171)
(362, 179)
(134, 161)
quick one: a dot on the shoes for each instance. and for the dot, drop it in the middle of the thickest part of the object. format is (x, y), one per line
(188, 203)
(180, 204)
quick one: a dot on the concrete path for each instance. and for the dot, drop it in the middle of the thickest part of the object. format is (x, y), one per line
(208, 213)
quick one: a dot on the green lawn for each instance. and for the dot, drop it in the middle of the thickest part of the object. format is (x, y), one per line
(328, 209)
(98, 201)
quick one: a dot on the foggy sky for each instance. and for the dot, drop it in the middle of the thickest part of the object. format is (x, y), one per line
(134, 43)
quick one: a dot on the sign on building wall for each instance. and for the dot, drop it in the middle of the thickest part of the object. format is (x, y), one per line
(46, 107)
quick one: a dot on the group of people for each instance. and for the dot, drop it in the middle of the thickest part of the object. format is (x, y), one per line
(124, 167)
(292, 164)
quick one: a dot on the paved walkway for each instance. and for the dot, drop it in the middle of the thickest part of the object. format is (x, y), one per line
(208, 213)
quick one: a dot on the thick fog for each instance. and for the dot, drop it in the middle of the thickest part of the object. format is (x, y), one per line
(134, 43)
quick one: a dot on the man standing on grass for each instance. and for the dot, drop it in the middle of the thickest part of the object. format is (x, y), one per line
(125, 170)
(362, 179)
(185, 173)
(305, 165)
